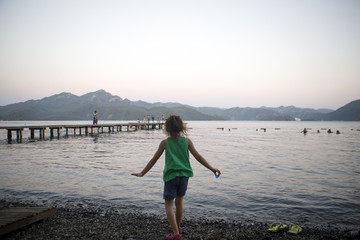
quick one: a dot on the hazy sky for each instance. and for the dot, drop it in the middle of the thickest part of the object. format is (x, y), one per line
(204, 53)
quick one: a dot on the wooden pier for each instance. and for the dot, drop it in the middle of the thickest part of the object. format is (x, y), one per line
(12, 219)
(80, 129)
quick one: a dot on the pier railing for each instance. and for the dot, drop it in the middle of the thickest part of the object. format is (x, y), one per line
(79, 129)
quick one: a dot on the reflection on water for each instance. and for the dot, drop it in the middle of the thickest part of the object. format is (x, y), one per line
(277, 175)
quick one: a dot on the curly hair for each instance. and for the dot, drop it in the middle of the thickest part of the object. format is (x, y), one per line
(174, 126)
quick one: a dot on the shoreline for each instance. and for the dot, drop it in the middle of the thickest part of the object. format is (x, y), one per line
(84, 224)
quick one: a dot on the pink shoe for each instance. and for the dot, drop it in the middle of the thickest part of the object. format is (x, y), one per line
(172, 236)
(171, 230)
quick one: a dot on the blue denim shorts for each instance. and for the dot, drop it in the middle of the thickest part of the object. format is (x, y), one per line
(175, 188)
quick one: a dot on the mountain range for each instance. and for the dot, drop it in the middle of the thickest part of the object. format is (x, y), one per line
(67, 106)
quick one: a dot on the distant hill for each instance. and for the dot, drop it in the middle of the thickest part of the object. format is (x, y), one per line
(305, 114)
(66, 106)
(246, 114)
(349, 112)
(255, 114)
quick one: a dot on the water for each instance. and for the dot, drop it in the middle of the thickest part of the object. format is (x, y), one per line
(277, 175)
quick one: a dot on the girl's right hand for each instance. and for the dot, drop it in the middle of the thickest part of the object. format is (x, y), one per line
(217, 172)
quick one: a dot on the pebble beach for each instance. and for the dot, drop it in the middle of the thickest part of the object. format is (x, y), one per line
(84, 224)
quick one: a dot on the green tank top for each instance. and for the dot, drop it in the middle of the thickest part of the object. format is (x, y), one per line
(177, 161)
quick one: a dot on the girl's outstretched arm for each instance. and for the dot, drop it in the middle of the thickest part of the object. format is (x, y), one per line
(154, 159)
(200, 158)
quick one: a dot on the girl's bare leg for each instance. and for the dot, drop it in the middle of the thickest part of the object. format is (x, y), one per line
(179, 210)
(169, 208)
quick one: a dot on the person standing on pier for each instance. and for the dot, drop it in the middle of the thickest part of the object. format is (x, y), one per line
(177, 170)
(95, 117)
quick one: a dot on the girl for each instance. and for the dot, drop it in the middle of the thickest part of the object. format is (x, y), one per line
(177, 170)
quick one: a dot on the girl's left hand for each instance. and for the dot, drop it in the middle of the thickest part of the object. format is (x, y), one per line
(137, 174)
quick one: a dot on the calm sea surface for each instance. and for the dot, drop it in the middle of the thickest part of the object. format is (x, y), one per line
(277, 175)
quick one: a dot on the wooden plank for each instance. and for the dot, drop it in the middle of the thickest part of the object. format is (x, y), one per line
(23, 209)
(13, 128)
(12, 219)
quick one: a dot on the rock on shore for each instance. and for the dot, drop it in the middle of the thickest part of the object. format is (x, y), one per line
(85, 224)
